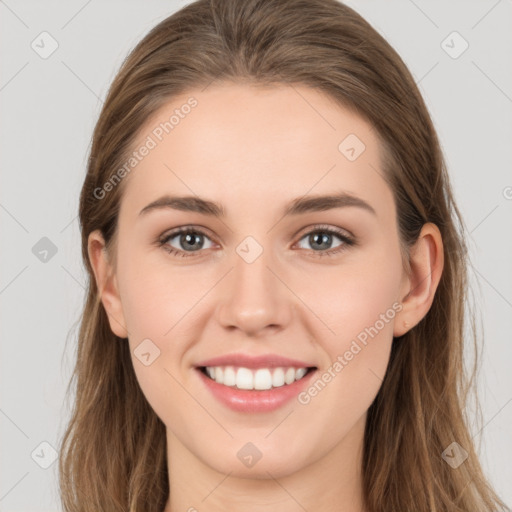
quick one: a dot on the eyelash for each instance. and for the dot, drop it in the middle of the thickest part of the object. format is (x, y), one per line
(347, 241)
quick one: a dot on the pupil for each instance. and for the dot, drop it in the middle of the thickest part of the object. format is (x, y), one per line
(188, 238)
(325, 238)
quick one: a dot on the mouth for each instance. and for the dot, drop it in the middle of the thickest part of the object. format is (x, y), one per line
(255, 379)
(255, 390)
(250, 383)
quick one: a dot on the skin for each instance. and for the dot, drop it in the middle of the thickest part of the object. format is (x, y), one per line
(253, 150)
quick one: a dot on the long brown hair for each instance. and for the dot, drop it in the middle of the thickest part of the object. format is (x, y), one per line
(113, 453)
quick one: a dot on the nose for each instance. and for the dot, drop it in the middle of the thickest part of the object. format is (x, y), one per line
(255, 299)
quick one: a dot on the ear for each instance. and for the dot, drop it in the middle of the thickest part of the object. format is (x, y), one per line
(426, 261)
(106, 282)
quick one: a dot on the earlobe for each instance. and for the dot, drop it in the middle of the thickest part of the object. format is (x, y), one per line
(427, 262)
(106, 282)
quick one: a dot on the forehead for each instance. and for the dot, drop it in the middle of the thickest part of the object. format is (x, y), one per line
(244, 144)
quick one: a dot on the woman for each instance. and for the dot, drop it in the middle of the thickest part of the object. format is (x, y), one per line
(307, 354)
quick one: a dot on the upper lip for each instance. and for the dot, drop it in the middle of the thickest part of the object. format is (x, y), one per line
(247, 361)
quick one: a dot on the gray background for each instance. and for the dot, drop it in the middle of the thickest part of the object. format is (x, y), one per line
(49, 107)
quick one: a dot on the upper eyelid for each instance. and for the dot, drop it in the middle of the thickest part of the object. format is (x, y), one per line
(184, 229)
(319, 227)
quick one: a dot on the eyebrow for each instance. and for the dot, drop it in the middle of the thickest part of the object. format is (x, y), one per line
(298, 206)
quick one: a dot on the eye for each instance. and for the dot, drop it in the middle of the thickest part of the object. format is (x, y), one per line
(189, 240)
(321, 238)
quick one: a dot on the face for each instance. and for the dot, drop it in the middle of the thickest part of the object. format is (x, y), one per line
(316, 283)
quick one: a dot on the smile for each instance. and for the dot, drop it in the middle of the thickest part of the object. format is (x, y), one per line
(247, 390)
(255, 379)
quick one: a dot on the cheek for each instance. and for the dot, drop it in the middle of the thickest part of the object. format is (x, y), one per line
(155, 300)
(158, 306)
(360, 309)
(353, 296)
(159, 301)
(358, 302)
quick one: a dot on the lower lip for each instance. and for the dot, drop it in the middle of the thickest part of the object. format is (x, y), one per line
(242, 400)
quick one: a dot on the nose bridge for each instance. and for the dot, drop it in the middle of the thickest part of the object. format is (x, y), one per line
(254, 298)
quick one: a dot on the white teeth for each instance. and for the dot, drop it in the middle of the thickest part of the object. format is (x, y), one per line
(260, 379)
(229, 376)
(300, 373)
(290, 375)
(278, 378)
(244, 379)
(219, 375)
